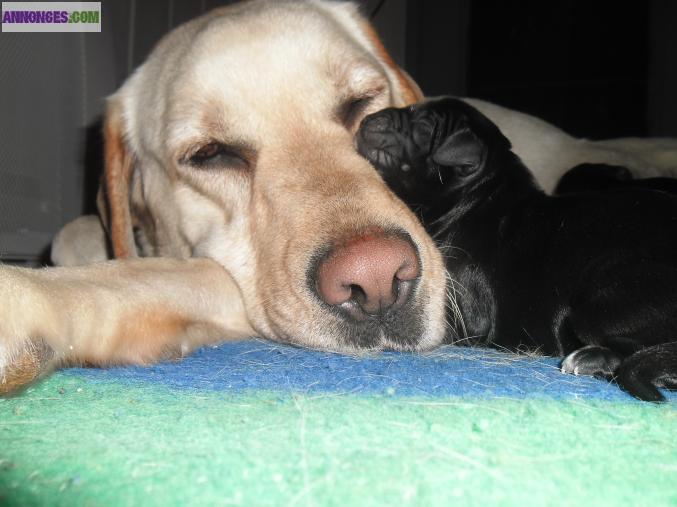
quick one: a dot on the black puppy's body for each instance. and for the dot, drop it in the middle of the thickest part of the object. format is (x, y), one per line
(591, 276)
(591, 177)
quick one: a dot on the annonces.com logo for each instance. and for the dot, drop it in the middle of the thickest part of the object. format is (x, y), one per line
(51, 16)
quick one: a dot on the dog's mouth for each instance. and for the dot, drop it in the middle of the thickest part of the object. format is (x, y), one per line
(395, 330)
(337, 331)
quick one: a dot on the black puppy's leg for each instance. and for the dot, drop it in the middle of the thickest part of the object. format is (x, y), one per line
(644, 372)
(624, 314)
(593, 360)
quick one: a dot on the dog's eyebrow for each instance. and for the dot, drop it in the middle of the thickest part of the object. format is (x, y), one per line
(192, 121)
(356, 77)
(366, 77)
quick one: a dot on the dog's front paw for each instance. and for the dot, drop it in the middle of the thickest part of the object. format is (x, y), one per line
(21, 366)
(26, 315)
(592, 360)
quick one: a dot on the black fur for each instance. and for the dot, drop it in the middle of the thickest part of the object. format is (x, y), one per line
(587, 177)
(588, 275)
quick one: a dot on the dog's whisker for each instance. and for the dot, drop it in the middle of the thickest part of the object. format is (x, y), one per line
(458, 323)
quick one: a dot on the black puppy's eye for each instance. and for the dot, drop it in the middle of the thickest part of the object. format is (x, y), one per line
(353, 110)
(215, 154)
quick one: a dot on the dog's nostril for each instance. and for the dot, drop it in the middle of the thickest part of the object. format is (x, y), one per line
(368, 275)
(358, 295)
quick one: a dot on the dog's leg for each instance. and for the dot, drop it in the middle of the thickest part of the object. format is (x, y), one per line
(643, 372)
(601, 362)
(647, 157)
(640, 374)
(626, 328)
(119, 312)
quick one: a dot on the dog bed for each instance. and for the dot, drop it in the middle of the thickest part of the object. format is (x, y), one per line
(257, 423)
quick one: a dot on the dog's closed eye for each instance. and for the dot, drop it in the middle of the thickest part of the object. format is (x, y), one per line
(356, 106)
(216, 155)
(351, 111)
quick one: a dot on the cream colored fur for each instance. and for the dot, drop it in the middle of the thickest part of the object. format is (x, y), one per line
(549, 152)
(271, 78)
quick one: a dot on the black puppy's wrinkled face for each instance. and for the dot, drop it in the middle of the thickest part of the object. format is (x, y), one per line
(428, 151)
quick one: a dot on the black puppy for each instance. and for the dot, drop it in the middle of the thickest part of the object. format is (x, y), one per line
(587, 177)
(591, 276)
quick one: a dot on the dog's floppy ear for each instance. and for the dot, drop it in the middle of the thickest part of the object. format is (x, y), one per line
(462, 150)
(406, 89)
(114, 192)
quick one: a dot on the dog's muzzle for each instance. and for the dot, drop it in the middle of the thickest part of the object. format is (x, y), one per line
(369, 281)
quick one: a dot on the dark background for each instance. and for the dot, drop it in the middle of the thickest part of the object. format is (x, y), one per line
(594, 68)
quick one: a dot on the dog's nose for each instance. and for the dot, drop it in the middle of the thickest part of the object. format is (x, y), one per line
(368, 274)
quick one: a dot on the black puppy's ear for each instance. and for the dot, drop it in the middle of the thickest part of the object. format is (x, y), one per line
(462, 150)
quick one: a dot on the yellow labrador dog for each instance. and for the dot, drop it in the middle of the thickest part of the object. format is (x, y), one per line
(229, 156)
(230, 163)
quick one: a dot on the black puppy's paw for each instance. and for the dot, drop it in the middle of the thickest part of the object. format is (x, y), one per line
(592, 360)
